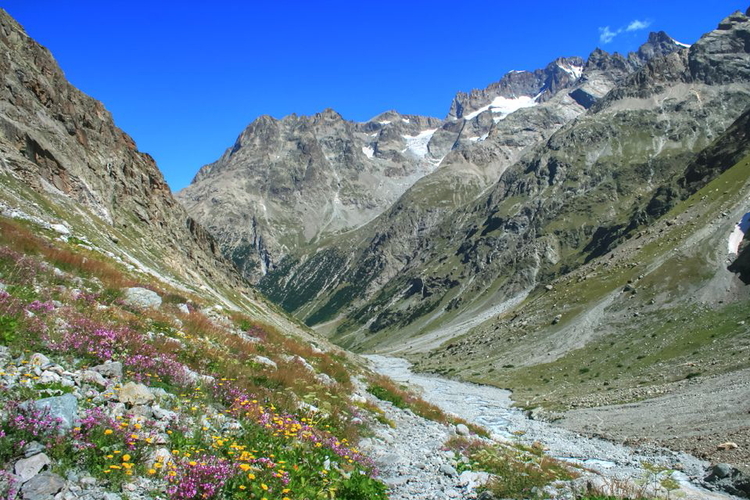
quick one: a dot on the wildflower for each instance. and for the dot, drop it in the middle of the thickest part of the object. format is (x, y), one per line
(126, 458)
(192, 463)
(251, 476)
(264, 486)
(152, 471)
(108, 432)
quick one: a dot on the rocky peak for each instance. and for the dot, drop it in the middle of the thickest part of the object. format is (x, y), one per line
(723, 55)
(659, 44)
(520, 86)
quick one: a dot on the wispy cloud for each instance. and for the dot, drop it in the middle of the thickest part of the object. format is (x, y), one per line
(606, 34)
(638, 25)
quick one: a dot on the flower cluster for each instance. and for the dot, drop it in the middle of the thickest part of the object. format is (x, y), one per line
(199, 477)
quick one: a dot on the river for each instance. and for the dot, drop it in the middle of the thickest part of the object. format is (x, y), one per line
(492, 408)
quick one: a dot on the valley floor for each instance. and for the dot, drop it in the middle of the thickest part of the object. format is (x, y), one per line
(695, 416)
(609, 460)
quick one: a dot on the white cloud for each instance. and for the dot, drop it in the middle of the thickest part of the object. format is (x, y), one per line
(638, 25)
(606, 34)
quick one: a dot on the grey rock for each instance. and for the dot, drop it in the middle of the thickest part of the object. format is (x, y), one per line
(142, 298)
(163, 414)
(92, 377)
(112, 369)
(135, 394)
(265, 361)
(26, 468)
(472, 480)
(49, 377)
(722, 470)
(448, 470)
(462, 430)
(32, 449)
(111, 496)
(324, 379)
(39, 360)
(183, 308)
(63, 407)
(42, 486)
(87, 481)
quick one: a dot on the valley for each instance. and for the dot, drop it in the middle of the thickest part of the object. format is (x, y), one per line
(543, 294)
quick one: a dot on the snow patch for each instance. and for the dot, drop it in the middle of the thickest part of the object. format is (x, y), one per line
(504, 106)
(368, 151)
(574, 71)
(417, 144)
(733, 244)
(405, 120)
(680, 44)
(385, 122)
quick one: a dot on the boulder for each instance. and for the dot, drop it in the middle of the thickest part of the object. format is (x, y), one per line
(462, 430)
(92, 377)
(135, 394)
(265, 361)
(142, 298)
(64, 408)
(42, 486)
(26, 468)
(112, 369)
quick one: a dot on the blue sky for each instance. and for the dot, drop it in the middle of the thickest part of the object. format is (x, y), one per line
(185, 78)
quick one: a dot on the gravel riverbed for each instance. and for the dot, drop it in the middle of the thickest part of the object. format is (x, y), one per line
(412, 462)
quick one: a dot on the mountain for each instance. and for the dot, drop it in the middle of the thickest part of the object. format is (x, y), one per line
(287, 183)
(290, 184)
(64, 160)
(364, 269)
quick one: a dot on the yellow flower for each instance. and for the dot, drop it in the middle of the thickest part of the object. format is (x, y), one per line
(152, 471)
(192, 463)
(137, 426)
(126, 458)
(264, 486)
(108, 432)
(244, 467)
(242, 487)
(251, 476)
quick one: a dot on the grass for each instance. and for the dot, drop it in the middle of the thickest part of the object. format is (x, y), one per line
(518, 471)
(386, 389)
(277, 448)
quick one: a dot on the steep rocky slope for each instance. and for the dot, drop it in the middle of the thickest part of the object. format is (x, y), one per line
(64, 160)
(286, 183)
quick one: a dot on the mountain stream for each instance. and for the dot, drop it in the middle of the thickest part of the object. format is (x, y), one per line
(491, 408)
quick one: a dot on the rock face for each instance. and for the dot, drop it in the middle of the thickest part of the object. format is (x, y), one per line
(287, 182)
(65, 145)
